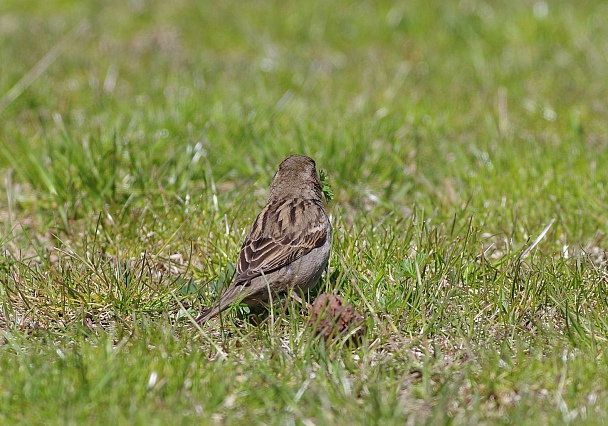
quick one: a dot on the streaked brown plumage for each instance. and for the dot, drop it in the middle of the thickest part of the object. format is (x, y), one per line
(288, 244)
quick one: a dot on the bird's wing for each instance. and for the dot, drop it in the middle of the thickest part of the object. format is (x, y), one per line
(283, 232)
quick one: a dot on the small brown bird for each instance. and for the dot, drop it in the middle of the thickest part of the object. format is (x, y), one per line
(288, 244)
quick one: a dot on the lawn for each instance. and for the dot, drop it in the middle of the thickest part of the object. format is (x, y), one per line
(466, 143)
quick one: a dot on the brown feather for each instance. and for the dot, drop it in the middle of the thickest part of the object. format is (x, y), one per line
(262, 253)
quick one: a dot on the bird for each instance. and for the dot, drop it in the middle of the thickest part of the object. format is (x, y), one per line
(289, 242)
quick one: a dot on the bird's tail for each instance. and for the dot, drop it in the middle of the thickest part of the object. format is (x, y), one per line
(225, 301)
(207, 314)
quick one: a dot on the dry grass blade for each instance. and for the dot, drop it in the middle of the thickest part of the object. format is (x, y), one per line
(42, 65)
(537, 240)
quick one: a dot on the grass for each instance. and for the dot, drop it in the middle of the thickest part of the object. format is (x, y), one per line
(465, 143)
